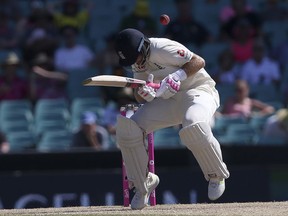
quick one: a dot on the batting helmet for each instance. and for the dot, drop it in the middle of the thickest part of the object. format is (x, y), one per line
(129, 44)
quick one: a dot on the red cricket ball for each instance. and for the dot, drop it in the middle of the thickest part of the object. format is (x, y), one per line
(164, 19)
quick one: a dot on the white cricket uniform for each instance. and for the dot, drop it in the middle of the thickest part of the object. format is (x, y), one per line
(193, 107)
(197, 99)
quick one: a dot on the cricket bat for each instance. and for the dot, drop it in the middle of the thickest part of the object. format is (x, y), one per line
(117, 81)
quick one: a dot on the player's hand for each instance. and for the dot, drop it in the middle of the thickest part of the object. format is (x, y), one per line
(147, 92)
(170, 85)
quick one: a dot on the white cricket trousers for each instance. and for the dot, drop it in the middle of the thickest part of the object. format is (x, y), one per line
(186, 107)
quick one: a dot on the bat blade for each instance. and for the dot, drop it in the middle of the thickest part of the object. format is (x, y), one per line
(113, 81)
(117, 81)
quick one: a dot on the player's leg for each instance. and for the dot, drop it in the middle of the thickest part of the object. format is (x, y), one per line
(197, 135)
(158, 114)
(130, 140)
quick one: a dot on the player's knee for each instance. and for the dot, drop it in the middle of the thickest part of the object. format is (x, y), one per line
(128, 132)
(195, 114)
(198, 134)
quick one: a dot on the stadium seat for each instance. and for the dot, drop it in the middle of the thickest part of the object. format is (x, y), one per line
(242, 128)
(211, 19)
(3, 55)
(235, 139)
(75, 89)
(53, 114)
(276, 104)
(225, 91)
(14, 116)
(264, 92)
(270, 140)
(50, 110)
(238, 133)
(55, 141)
(223, 122)
(275, 32)
(14, 105)
(80, 105)
(48, 104)
(258, 122)
(21, 141)
(166, 138)
(52, 125)
(210, 52)
(17, 126)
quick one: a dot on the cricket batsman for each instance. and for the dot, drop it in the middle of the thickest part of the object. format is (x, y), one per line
(186, 96)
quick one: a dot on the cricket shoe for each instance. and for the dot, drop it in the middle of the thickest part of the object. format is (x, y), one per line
(216, 188)
(140, 200)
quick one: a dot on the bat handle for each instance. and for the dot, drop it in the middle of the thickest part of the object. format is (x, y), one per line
(154, 85)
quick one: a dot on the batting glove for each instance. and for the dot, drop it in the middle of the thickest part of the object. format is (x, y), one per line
(170, 85)
(147, 92)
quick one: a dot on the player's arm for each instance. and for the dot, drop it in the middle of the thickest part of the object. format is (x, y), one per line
(194, 65)
(170, 85)
(263, 108)
(49, 74)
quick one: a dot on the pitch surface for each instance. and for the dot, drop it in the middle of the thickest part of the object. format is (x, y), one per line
(226, 209)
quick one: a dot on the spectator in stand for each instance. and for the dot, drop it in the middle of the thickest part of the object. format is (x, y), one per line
(12, 86)
(71, 13)
(90, 134)
(185, 29)
(241, 105)
(8, 39)
(277, 125)
(236, 7)
(227, 71)
(109, 92)
(140, 19)
(273, 11)
(280, 54)
(44, 81)
(72, 55)
(242, 41)
(260, 69)
(41, 34)
(12, 19)
(4, 144)
(123, 97)
(107, 59)
(285, 94)
(238, 10)
(12, 9)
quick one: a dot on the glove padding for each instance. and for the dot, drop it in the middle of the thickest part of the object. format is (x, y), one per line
(147, 92)
(170, 85)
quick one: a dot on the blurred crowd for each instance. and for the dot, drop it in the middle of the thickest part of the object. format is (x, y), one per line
(244, 43)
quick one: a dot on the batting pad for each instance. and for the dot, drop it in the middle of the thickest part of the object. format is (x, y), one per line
(206, 149)
(130, 140)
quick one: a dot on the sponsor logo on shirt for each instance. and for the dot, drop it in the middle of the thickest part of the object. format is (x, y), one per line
(159, 66)
(181, 53)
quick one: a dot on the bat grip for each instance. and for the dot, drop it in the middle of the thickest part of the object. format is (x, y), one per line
(153, 85)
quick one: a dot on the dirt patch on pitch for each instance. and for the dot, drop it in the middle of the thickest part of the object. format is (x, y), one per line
(227, 209)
